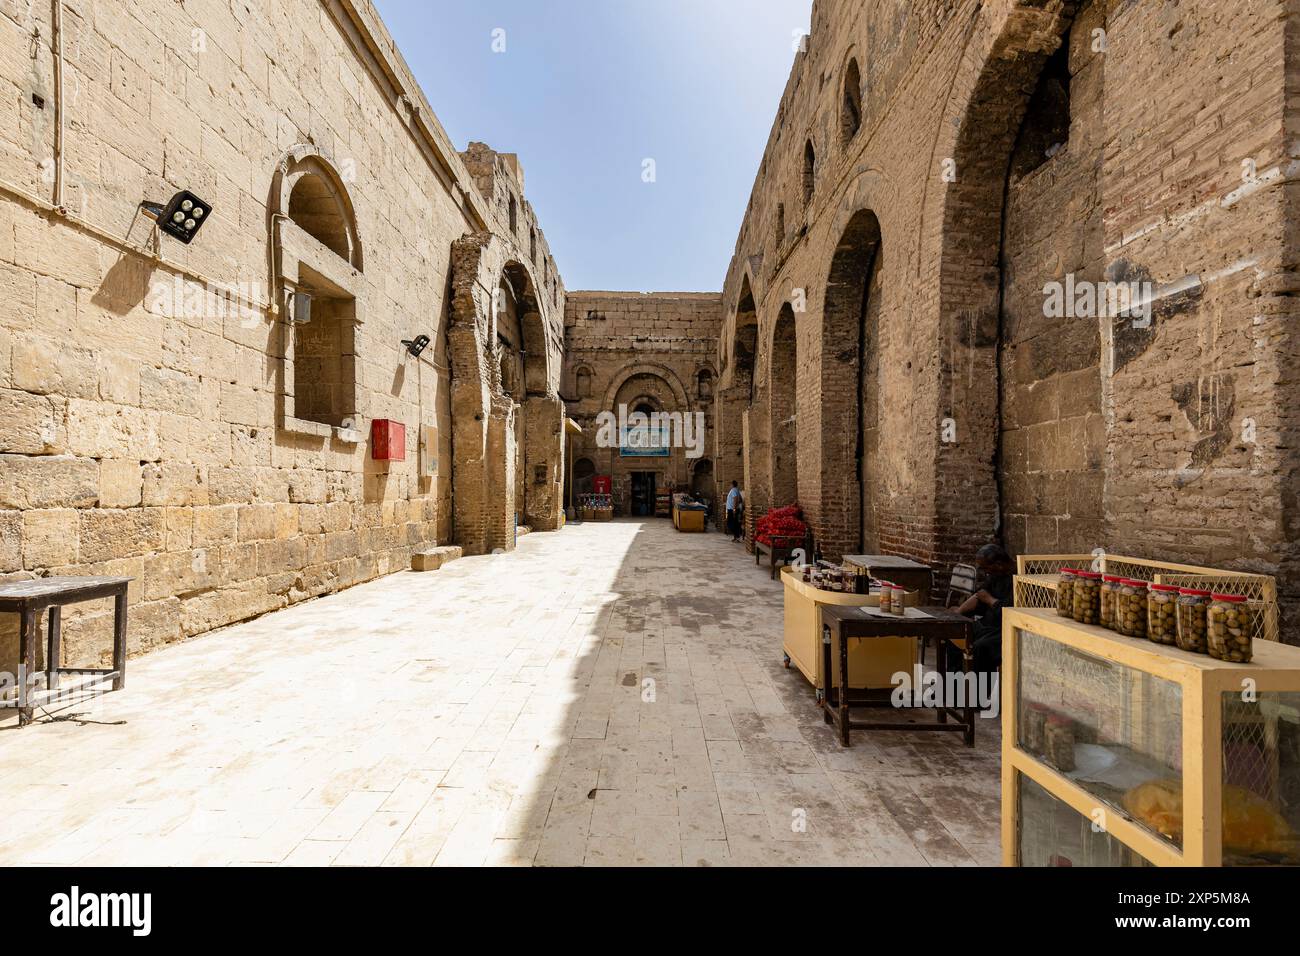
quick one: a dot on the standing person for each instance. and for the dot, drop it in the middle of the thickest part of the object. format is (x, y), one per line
(735, 509)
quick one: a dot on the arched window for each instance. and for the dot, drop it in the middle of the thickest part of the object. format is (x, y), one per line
(313, 229)
(583, 381)
(851, 109)
(809, 171)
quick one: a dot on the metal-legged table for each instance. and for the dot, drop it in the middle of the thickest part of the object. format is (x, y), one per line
(29, 599)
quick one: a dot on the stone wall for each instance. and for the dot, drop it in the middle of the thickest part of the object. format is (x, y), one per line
(164, 413)
(933, 167)
(629, 348)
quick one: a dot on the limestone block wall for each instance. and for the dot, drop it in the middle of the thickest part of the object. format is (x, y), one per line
(932, 167)
(632, 348)
(164, 414)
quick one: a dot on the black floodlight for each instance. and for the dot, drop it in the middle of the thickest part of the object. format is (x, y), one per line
(182, 217)
(416, 345)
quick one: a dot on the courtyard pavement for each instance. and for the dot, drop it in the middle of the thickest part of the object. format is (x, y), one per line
(608, 694)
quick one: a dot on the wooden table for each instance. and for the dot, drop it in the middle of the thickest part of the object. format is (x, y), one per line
(911, 575)
(843, 624)
(29, 599)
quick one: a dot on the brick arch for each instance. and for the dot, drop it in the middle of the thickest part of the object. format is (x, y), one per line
(486, 423)
(735, 390)
(742, 345)
(654, 369)
(783, 406)
(538, 360)
(832, 490)
(1001, 64)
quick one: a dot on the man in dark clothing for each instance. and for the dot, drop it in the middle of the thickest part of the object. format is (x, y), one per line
(986, 604)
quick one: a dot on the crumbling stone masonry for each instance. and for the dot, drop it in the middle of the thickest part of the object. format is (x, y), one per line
(934, 169)
(653, 351)
(166, 413)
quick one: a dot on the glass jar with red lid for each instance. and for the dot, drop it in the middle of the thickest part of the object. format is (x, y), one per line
(1109, 591)
(1131, 608)
(1192, 605)
(1162, 614)
(1065, 593)
(1087, 597)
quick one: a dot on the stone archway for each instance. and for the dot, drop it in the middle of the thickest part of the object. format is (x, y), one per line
(504, 434)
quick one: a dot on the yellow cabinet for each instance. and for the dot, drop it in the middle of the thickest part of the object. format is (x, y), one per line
(872, 664)
(1118, 751)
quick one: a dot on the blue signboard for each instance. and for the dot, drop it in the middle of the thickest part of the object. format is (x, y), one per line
(644, 441)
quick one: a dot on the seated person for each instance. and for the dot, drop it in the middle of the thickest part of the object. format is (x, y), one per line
(986, 604)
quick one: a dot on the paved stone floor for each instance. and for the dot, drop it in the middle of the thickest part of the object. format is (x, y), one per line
(494, 712)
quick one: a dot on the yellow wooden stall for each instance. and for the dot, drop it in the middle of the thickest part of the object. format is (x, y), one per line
(1118, 751)
(872, 664)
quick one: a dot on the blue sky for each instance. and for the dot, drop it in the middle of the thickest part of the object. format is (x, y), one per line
(586, 90)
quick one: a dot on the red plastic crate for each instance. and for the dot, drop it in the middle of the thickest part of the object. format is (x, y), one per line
(387, 440)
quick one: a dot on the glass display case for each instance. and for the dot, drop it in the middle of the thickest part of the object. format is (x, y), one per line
(1118, 751)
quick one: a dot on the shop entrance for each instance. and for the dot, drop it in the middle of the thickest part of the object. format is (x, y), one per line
(643, 494)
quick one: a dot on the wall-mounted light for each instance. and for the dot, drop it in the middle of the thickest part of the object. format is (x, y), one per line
(182, 217)
(416, 345)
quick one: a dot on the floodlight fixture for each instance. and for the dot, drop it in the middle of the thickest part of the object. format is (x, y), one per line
(182, 217)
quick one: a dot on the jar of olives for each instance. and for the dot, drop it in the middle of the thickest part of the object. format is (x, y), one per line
(1162, 614)
(1192, 605)
(1131, 608)
(1109, 591)
(1229, 623)
(1087, 597)
(1065, 593)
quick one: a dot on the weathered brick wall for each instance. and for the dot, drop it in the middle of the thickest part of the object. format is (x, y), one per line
(152, 430)
(990, 418)
(622, 346)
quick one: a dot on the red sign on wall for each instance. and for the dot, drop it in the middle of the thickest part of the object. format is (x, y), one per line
(387, 440)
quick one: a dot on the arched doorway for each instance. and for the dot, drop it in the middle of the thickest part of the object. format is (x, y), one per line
(702, 484)
(783, 404)
(584, 470)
